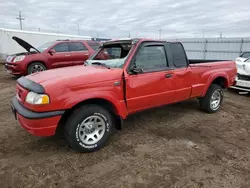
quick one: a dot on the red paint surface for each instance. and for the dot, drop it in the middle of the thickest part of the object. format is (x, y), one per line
(69, 86)
(40, 127)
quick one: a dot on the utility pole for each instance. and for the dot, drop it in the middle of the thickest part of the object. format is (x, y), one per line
(129, 34)
(160, 33)
(20, 18)
(39, 29)
(220, 34)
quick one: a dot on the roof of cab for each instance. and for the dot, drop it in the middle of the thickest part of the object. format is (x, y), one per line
(131, 39)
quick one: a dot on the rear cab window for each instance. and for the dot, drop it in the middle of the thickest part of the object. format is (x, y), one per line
(178, 54)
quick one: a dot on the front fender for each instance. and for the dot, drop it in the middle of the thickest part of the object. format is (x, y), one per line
(109, 96)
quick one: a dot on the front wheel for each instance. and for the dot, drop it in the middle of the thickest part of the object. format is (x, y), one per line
(89, 128)
(212, 101)
(36, 67)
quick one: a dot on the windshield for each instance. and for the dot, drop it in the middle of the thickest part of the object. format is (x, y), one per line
(45, 46)
(112, 55)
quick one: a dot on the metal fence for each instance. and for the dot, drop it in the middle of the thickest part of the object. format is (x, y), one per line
(215, 48)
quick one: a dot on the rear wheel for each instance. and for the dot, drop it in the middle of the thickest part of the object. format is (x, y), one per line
(89, 128)
(36, 67)
(212, 101)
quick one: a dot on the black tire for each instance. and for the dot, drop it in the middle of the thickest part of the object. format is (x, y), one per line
(73, 127)
(205, 102)
(31, 67)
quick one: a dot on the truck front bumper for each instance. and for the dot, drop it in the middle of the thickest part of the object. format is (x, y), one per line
(36, 123)
(243, 85)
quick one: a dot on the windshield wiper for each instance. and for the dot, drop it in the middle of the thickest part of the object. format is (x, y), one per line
(102, 64)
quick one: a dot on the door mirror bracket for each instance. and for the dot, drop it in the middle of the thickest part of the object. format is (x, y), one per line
(134, 69)
(52, 51)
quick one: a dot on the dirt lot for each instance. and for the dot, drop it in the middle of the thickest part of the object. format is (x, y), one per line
(173, 146)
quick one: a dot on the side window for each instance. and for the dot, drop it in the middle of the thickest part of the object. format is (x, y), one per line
(245, 55)
(62, 47)
(94, 45)
(178, 55)
(151, 57)
(77, 46)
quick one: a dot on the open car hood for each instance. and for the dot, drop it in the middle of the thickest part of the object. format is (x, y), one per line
(24, 44)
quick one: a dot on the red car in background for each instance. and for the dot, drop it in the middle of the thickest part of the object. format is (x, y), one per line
(60, 53)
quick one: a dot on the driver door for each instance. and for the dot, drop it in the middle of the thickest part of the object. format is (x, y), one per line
(154, 86)
(61, 57)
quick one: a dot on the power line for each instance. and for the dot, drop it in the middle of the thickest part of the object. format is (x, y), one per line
(20, 18)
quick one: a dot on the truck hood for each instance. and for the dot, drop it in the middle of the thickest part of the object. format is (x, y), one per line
(24, 44)
(74, 76)
(243, 68)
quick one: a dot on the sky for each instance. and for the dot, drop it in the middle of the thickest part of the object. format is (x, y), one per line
(131, 18)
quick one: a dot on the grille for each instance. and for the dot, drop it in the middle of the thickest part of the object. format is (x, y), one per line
(243, 77)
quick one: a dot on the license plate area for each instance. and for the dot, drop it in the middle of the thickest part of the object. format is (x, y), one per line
(6, 69)
(243, 83)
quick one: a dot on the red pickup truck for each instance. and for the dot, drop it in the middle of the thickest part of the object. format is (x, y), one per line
(55, 54)
(122, 77)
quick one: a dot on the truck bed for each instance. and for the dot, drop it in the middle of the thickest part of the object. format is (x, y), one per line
(196, 61)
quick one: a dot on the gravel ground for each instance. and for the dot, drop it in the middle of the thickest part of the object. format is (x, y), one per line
(172, 146)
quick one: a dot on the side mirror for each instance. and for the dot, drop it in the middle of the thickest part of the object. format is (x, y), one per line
(136, 70)
(52, 51)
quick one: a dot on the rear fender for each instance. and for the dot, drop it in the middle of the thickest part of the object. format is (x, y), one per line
(213, 77)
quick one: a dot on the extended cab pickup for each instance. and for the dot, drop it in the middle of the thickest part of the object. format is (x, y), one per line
(122, 77)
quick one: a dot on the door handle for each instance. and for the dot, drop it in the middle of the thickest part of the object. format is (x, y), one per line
(182, 73)
(67, 55)
(168, 75)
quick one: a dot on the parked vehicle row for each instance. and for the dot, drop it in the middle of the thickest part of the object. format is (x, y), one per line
(243, 72)
(51, 55)
(122, 77)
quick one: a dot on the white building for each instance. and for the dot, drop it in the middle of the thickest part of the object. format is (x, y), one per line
(9, 46)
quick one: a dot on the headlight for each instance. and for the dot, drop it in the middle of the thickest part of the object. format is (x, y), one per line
(34, 98)
(19, 58)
